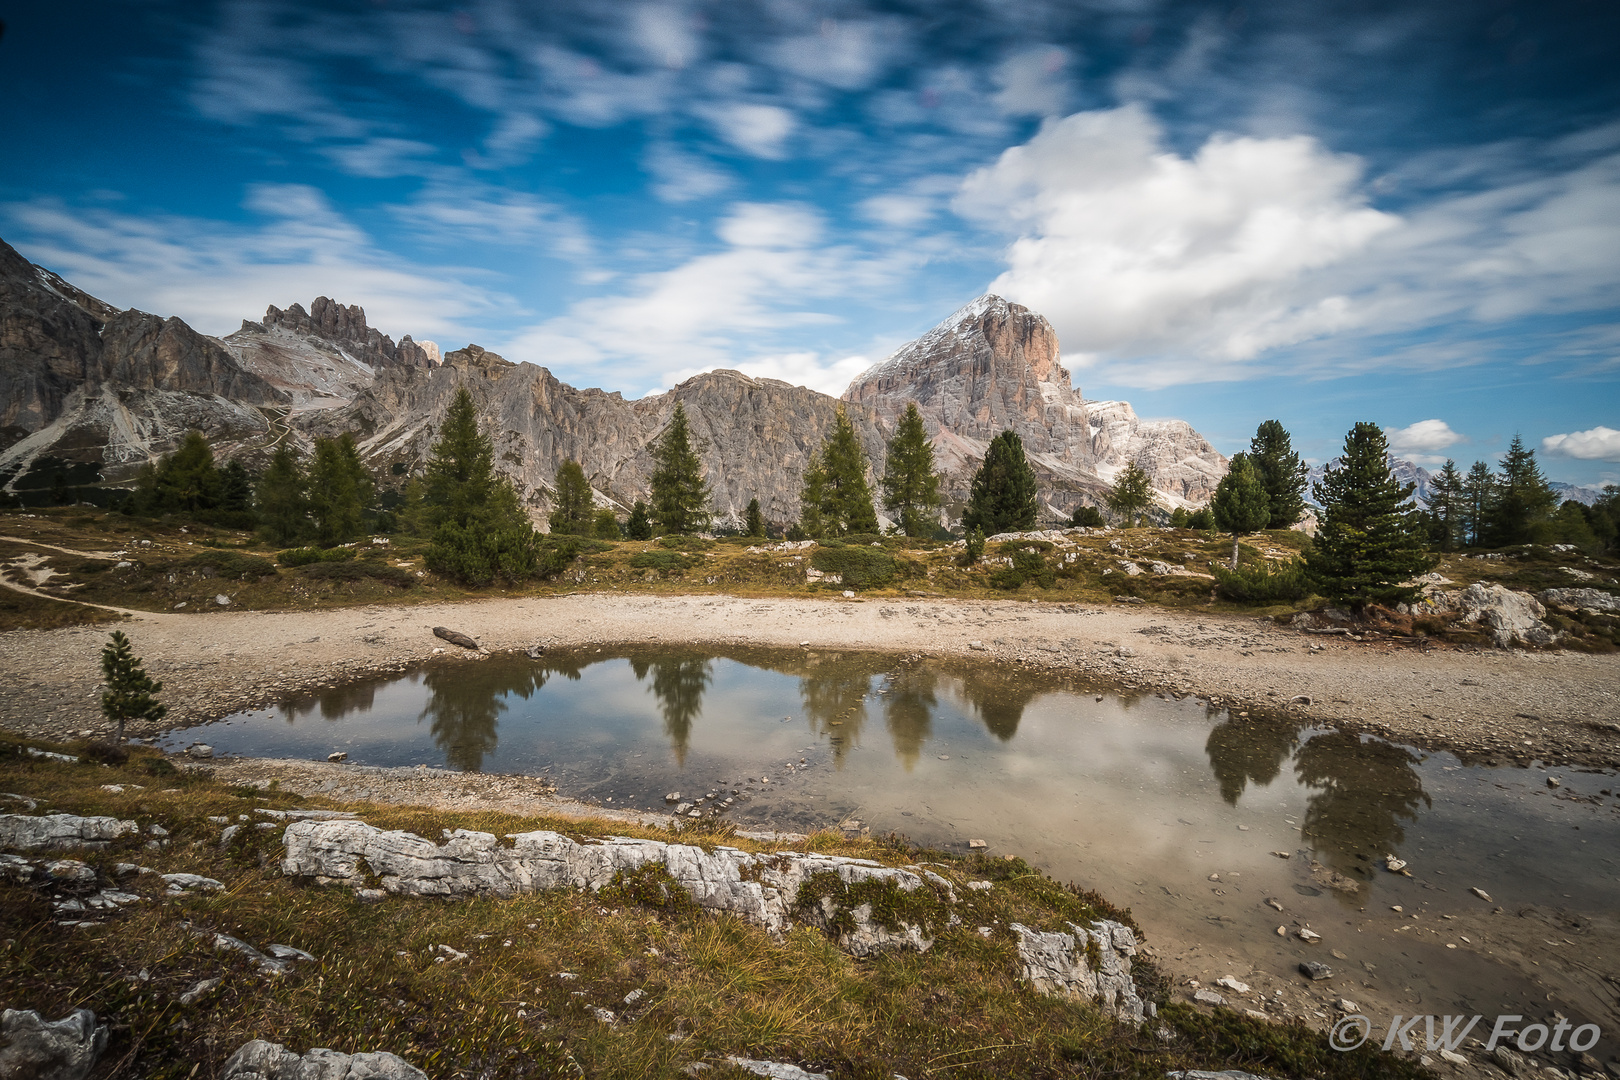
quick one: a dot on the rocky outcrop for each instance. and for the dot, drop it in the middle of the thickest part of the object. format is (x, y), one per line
(326, 355)
(1062, 963)
(994, 365)
(40, 1049)
(333, 323)
(1510, 617)
(759, 888)
(260, 1060)
(1581, 599)
(23, 832)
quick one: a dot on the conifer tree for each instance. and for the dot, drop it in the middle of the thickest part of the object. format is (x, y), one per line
(1479, 496)
(1241, 503)
(1446, 497)
(282, 498)
(1003, 494)
(339, 490)
(812, 494)
(1368, 543)
(639, 527)
(607, 525)
(1131, 494)
(1086, 517)
(754, 518)
(910, 485)
(572, 514)
(130, 690)
(1524, 500)
(836, 496)
(1281, 471)
(183, 482)
(680, 499)
(480, 532)
(235, 488)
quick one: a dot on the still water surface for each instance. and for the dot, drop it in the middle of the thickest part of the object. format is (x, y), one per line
(1142, 798)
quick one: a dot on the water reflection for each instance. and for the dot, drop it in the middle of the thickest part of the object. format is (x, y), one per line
(1363, 791)
(833, 692)
(908, 712)
(464, 707)
(678, 684)
(1000, 697)
(1243, 752)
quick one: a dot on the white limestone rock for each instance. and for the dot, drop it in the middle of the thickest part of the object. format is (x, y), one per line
(1510, 617)
(260, 1060)
(1055, 962)
(1577, 599)
(40, 1049)
(24, 832)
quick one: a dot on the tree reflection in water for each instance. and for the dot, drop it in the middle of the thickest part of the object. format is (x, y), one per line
(465, 703)
(1000, 699)
(835, 700)
(1243, 752)
(1365, 789)
(908, 712)
(678, 684)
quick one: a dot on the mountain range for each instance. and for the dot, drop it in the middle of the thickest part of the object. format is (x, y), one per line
(89, 394)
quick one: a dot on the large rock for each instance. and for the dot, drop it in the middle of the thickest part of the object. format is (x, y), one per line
(1577, 599)
(994, 365)
(1509, 617)
(760, 889)
(40, 1049)
(1055, 962)
(260, 1060)
(25, 832)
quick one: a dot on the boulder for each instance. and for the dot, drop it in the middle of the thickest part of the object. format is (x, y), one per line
(27, 833)
(1055, 962)
(1510, 617)
(260, 1060)
(1576, 599)
(40, 1049)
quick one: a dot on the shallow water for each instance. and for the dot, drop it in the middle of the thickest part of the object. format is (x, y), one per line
(1142, 798)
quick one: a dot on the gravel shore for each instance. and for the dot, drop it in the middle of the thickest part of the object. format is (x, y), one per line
(1557, 707)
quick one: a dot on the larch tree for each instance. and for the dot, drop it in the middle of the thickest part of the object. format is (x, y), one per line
(1002, 498)
(680, 499)
(1131, 494)
(1369, 542)
(910, 484)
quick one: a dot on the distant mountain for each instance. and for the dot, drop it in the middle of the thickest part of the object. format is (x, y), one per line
(1405, 472)
(1565, 492)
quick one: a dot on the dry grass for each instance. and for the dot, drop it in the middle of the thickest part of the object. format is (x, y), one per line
(712, 985)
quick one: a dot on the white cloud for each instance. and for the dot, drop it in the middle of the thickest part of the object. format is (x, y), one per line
(682, 177)
(1131, 248)
(382, 157)
(828, 375)
(844, 53)
(770, 225)
(756, 129)
(213, 275)
(1033, 83)
(901, 211)
(455, 211)
(1594, 444)
(1424, 437)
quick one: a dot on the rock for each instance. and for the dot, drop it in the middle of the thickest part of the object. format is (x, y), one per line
(1482, 894)
(1300, 699)
(70, 873)
(267, 965)
(200, 990)
(1332, 879)
(634, 996)
(40, 1049)
(287, 952)
(1510, 617)
(775, 1070)
(260, 1060)
(56, 831)
(1306, 934)
(1394, 865)
(337, 755)
(1058, 963)
(759, 889)
(1453, 1057)
(977, 646)
(454, 637)
(673, 796)
(1345, 1005)
(1315, 971)
(977, 845)
(222, 600)
(201, 751)
(1579, 599)
(1208, 997)
(1204, 1074)
(1553, 781)
(1271, 903)
(1232, 984)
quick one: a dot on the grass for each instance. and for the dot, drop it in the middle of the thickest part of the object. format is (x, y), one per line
(710, 985)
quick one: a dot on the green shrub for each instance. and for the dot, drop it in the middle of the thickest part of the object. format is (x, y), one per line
(304, 556)
(975, 546)
(665, 562)
(1261, 585)
(359, 570)
(477, 556)
(232, 564)
(1028, 564)
(859, 567)
(685, 543)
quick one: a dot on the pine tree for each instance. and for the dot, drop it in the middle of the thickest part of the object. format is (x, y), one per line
(754, 519)
(183, 482)
(339, 491)
(572, 514)
(1446, 506)
(607, 525)
(282, 498)
(1524, 500)
(1241, 503)
(910, 485)
(1003, 494)
(1086, 517)
(235, 488)
(639, 527)
(480, 532)
(129, 693)
(680, 499)
(1479, 496)
(1282, 473)
(1368, 542)
(1131, 494)
(837, 499)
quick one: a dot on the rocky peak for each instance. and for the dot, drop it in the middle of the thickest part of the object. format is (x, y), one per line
(346, 327)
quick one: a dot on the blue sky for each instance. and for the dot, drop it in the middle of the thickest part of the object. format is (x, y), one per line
(1407, 213)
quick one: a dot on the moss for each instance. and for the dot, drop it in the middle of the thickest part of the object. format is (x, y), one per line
(893, 908)
(649, 886)
(1231, 1040)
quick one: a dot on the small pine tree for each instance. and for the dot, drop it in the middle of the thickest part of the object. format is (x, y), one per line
(754, 519)
(607, 525)
(1086, 517)
(339, 491)
(1368, 542)
(1524, 500)
(130, 690)
(480, 532)
(1003, 494)
(282, 498)
(1131, 494)
(910, 484)
(680, 499)
(838, 491)
(183, 482)
(811, 495)
(1240, 504)
(1446, 497)
(572, 514)
(235, 488)
(1281, 472)
(975, 546)
(639, 527)
(1479, 496)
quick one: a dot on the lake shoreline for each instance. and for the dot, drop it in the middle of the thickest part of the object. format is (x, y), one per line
(1513, 706)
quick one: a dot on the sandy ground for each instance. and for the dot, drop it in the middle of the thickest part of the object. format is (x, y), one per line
(1516, 706)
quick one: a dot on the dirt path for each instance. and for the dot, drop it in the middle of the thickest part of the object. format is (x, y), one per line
(1512, 705)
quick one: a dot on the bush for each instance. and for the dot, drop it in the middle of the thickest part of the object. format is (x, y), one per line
(1087, 517)
(359, 570)
(232, 564)
(303, 556)
(975, 546)
(1028, 564)
(477, 556)
(606, 526)
(665, 562)
(859, 567)
(1261, 585)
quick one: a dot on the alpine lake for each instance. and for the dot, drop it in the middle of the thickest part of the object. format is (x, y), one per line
(1225, 835)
